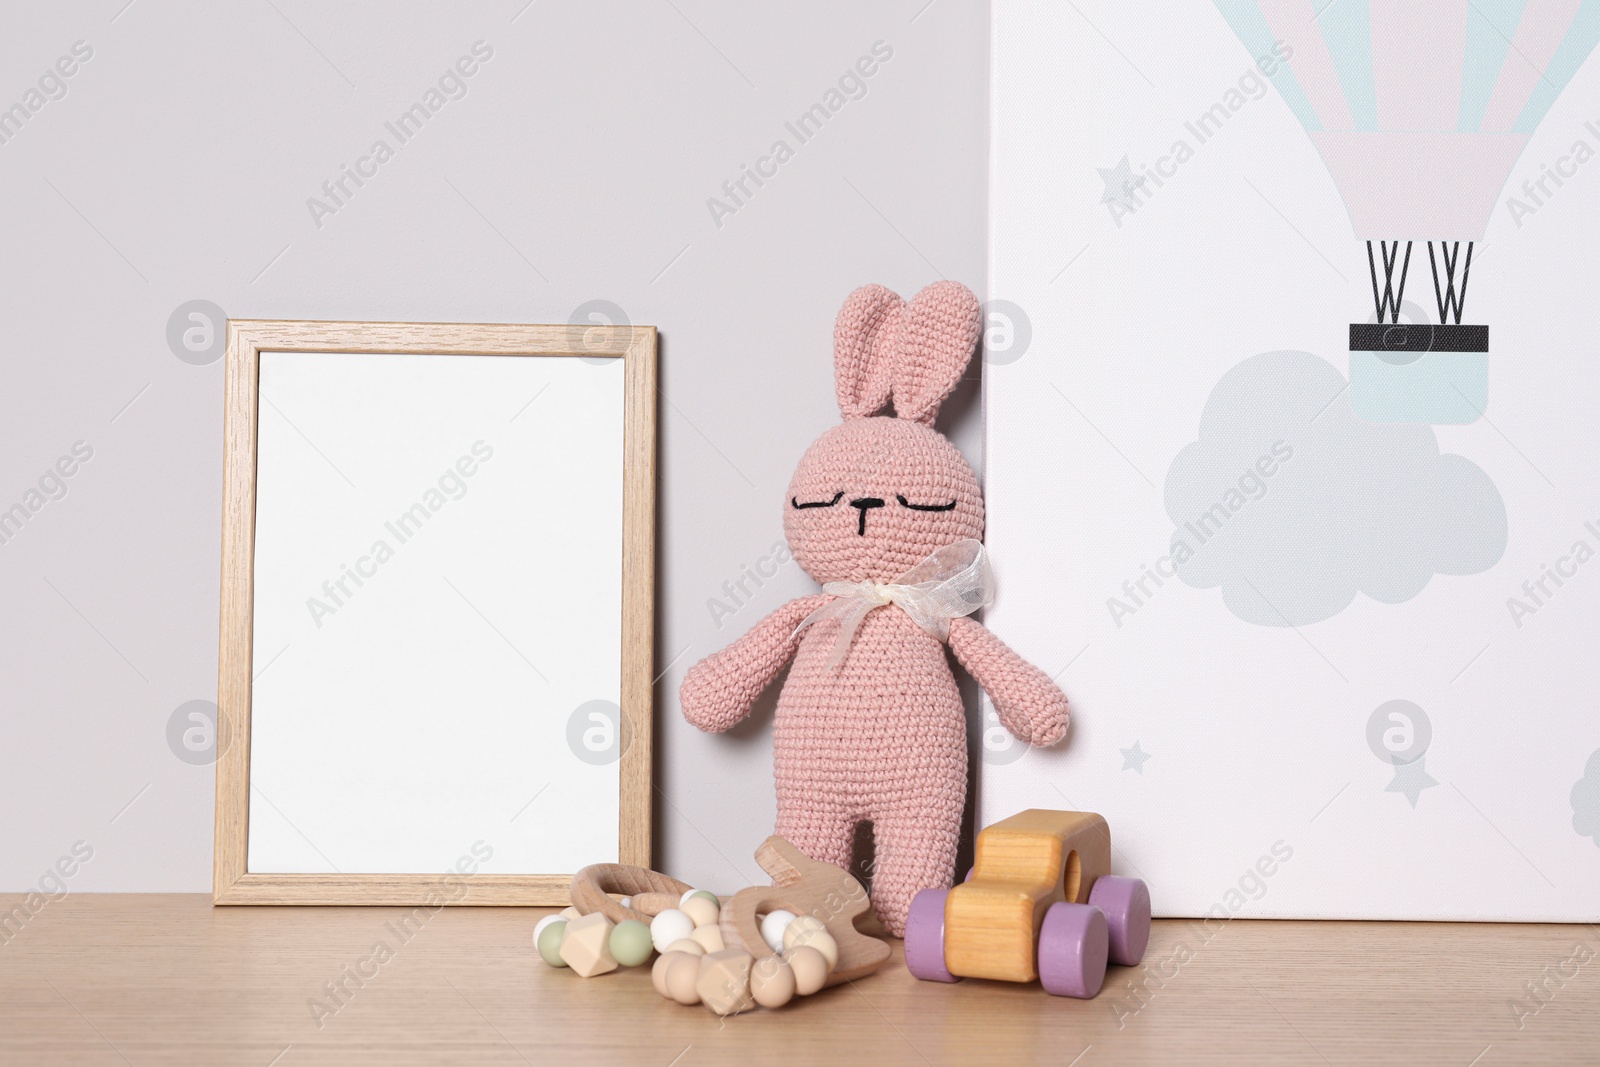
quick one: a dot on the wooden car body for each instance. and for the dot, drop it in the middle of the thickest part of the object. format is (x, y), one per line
(1025, 864)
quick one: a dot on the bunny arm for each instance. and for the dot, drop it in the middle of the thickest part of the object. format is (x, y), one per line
(719, 691)
(1031, 706)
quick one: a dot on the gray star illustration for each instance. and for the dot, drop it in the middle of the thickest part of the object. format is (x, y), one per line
(1120, 181)
(1133, 758)
(1411, 779)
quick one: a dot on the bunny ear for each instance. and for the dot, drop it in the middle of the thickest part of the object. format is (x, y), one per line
(938, 331)
(864, 350)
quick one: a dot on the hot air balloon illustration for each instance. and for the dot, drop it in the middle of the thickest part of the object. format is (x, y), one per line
(1419, 109)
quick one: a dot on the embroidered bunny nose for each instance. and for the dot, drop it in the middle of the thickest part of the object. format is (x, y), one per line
(863, 504)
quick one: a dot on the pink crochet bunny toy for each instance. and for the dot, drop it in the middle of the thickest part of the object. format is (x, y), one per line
(870, 725)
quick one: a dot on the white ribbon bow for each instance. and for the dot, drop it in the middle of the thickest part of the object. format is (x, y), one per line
(954, 581)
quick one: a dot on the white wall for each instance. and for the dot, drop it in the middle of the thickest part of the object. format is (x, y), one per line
(577, 167)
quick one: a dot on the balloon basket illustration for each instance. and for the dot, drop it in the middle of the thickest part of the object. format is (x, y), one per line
(1416, 371)
(1419, 111)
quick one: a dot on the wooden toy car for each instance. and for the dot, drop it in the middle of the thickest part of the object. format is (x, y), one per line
(1040, 903)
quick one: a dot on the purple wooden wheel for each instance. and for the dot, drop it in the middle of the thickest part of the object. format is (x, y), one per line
(1126, 902)
(925, 937)
(1072, 950)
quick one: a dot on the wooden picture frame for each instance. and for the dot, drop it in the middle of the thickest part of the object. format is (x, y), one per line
(246, 341)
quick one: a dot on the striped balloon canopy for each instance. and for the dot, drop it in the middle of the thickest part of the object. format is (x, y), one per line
(1419, 108)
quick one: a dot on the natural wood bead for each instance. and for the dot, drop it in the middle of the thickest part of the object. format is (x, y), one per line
(684, 945)
(682, 978)
(702, 911)
(658, 973)
(810, 969)
(709, 937)
(823, 942)
(800, 926)
(772, 982)
(724, 981)
(586, 948)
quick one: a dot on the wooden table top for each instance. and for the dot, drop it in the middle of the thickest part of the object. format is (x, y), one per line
(147, 979)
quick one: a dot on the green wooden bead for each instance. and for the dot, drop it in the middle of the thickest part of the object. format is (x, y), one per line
(630, 942)
(550, 943)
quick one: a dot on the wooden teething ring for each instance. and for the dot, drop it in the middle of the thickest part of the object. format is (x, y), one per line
(652, 891)
(806, 887)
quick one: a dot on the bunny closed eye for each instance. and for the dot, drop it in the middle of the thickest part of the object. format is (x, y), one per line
(795, 502)
(925, 507)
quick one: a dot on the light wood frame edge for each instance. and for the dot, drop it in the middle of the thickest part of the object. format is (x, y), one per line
(247, 338)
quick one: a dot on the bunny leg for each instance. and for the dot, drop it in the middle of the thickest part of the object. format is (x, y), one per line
(825, 832)
(915, 850)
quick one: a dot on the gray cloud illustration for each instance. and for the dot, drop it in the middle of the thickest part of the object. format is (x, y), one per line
(1293, 504)
(1586, 800)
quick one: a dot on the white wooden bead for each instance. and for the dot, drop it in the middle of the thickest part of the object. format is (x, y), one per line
(669, 926)
(772, 926)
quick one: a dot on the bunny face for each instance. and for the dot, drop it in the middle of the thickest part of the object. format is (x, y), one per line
(878, 494)
(874, 496)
